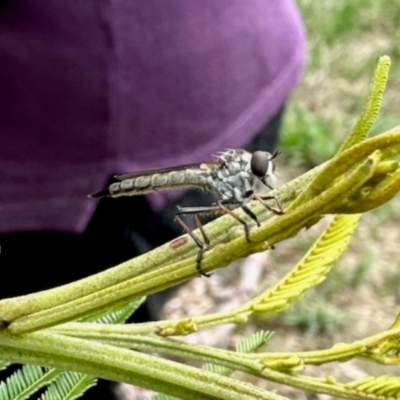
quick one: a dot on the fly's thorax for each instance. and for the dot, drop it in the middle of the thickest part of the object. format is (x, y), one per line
(232, 181)
(244, 173)
(236, 161)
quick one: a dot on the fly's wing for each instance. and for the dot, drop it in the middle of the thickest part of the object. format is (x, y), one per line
(148, 172)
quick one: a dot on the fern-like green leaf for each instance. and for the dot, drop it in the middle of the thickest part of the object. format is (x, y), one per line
(68, 386)
(312, 269)
(254, 342)
(118, 315)
(383, 387)
(245, 345)
(24, 382)
(71, 385)
(218, 369)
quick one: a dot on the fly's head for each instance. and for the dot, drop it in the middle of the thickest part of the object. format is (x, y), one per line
(263, 167)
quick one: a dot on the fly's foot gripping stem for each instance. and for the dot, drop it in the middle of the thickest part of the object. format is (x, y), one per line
(203, 246)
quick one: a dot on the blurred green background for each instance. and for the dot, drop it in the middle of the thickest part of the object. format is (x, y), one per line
(345, 39)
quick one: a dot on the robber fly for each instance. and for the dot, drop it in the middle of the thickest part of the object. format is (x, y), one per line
(234, 178)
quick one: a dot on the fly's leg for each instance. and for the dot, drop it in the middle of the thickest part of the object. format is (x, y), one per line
(250, 214)
(226, 210)
(201, 245)
(219, 207)
(222, 208)
(277, 211)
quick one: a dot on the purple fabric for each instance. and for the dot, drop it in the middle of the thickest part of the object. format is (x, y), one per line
(90, 88)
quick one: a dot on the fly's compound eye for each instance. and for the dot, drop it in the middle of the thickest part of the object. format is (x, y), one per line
(261, 164)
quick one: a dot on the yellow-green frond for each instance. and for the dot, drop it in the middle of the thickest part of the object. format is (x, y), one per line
(383, 387)
(372, 106)
(312, 269)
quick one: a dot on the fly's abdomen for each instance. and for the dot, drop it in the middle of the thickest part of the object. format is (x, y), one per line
(160, 181)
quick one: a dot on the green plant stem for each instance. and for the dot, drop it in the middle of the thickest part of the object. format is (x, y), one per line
(122, 365)
(385, 189)
(37, 311)
(122, 336)
(276, 365)
(327, 386)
